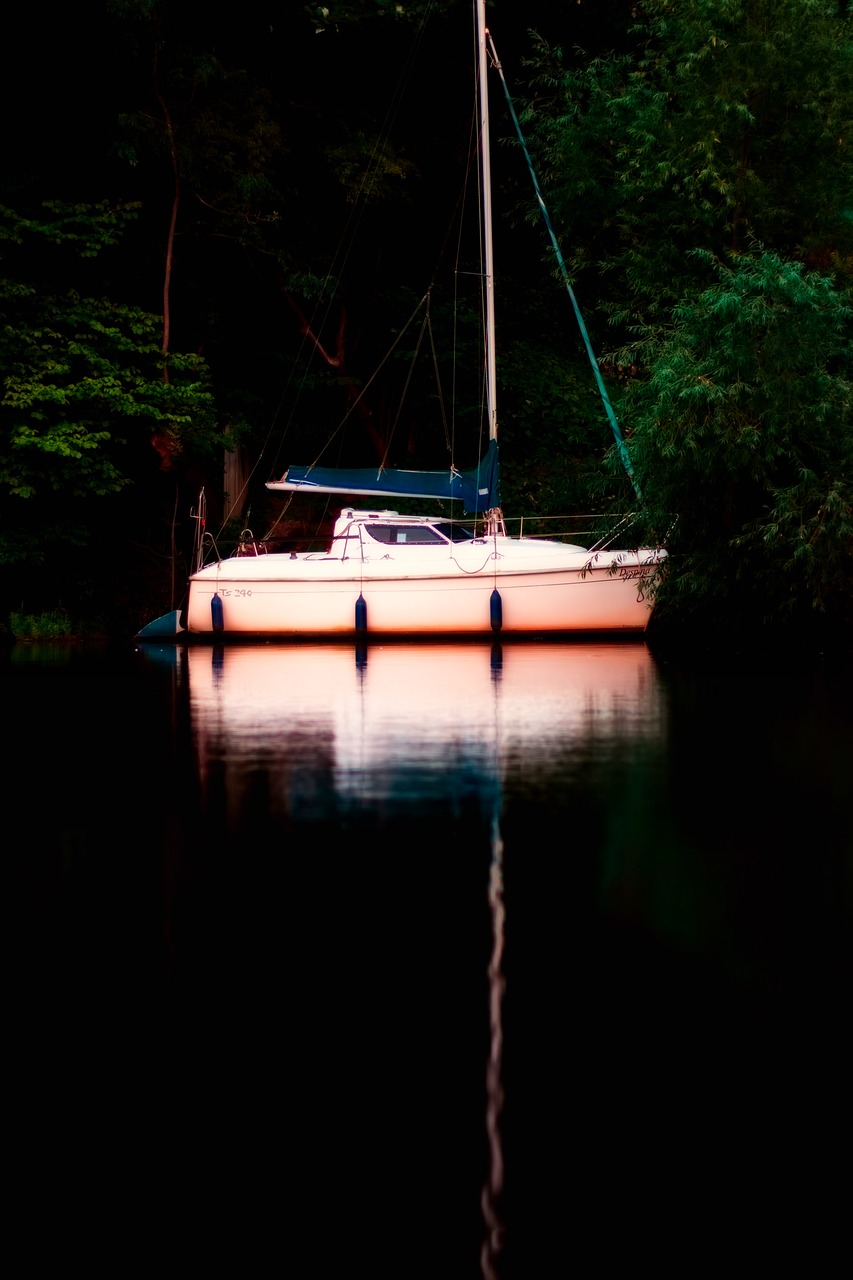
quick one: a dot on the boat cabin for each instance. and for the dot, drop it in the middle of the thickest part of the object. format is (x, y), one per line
(393, 529)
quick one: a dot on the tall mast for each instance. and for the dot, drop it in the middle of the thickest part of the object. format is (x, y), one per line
(486, 179)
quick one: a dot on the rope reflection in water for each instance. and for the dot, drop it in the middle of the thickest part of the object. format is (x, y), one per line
(493, 1186)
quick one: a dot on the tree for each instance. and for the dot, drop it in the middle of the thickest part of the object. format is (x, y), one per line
(83, 389)
(705, 177)
(208, 126)
(743, 443)
(728, 126)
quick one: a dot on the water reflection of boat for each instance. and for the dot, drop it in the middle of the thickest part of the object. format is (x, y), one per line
(407, 721)
(352, 807)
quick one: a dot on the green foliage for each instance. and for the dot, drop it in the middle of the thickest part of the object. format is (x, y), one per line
(212, 130)
(705, 179)
(742, 437)
(84, 381)
(52, 625)
(549, 471)
(87, 228)
(340, 14)
(729, 124)
(367, 168)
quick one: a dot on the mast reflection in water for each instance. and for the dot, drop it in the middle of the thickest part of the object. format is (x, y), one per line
(399, 758)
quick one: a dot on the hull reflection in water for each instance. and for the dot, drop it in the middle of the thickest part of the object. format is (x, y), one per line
(407, 723)
(382, 774)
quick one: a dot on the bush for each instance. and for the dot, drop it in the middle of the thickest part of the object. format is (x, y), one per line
(53, 625)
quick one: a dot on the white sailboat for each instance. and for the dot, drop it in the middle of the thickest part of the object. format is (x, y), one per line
(390, 574)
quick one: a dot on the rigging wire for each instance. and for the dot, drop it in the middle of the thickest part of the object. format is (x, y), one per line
(617, 433)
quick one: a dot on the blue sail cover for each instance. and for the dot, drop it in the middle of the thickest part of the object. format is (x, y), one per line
(479, 488)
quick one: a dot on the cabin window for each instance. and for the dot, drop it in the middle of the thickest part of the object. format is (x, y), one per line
(455, 532)
(398, 535)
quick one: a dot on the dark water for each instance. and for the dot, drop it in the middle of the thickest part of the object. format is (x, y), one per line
(431, 960)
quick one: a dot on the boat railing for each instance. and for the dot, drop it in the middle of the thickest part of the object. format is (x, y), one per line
(592, 530)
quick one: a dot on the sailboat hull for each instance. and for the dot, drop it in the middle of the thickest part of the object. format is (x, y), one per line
(542, 588)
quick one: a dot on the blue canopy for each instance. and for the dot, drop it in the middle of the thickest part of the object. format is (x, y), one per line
(479, 488)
